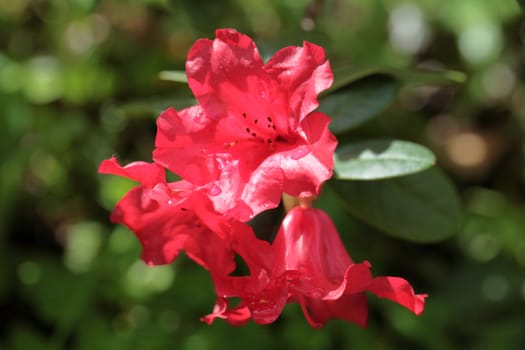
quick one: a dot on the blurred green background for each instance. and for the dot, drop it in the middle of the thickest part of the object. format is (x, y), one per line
(79, 82)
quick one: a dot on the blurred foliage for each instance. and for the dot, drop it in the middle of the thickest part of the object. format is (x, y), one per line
(79, 82)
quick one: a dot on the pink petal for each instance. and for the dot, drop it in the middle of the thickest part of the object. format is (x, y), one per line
(226, 76)
(309, 243)
(237, 316)
(151, 224)
(306, 164)
(357, 279)
(352, 308)
(261, 189)
(302, 71)
(165, 222)
(262, 294)
(148, 174)
(321, 140)
(184, 148)
(400, 291)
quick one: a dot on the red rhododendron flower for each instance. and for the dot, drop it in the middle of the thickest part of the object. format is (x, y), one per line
(253, 136)
(315, 270)
(169, 218)
(254, 133)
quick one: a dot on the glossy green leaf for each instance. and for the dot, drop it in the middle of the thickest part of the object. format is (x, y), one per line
(380, 159)
(360, 94)
(358, 102)
(423, 207)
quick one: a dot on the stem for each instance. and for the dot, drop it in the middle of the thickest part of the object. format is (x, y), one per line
(292, 202)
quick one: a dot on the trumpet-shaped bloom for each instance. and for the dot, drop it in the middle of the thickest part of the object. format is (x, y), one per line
(254, 133)
(311, 267)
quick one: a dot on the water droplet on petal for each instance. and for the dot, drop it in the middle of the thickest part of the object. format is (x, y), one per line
(214, 190)
(300, 152)
(170, 202)
(263, 90)
(198, 117)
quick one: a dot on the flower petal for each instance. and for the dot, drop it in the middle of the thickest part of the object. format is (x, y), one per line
(352, 308)
(150, 221)
(400, 291)
(185, 146)
(226, 76)
(240, 184)
(147, 174)
(356, 280)
(308, 165)
(304, 72)
(309, 244)
(169, 218)
(237, 316)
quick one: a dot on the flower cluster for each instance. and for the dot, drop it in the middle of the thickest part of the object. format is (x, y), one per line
(253, 136)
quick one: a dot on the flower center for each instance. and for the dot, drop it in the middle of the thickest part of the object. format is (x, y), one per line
(261, 128)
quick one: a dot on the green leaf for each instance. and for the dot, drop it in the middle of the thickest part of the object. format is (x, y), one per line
(380, 159)
(359, 94)
(429, 77)
(178, 76)
(358, 102)
(423, 207)
(344, 75)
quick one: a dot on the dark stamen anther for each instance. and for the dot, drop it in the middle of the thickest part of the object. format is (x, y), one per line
(248, 130)
(244, 115)
(273, 127)
(184, 209)
(255, 121)
(254, 134)
(269, 119)
(269, 141)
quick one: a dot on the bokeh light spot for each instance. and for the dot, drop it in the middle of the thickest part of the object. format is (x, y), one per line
(495, 288)
(483, 247)
(142, 280)
(43, 81)
(478, 43)
(28, 272)
(498, 81)
(408, 30)
(83, 243)
(196, 342)
(467, 149)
